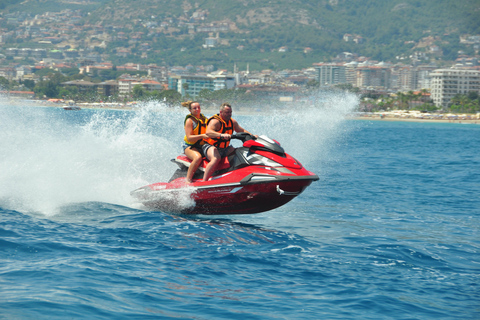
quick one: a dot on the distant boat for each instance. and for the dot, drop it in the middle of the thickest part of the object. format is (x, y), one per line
(72, 108)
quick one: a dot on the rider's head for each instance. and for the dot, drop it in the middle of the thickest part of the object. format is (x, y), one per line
(193, 106)
(226, 111)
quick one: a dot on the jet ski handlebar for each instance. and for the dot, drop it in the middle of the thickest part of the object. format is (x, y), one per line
(243, 136)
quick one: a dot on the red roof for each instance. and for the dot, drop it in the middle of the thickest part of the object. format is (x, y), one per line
(150, 82)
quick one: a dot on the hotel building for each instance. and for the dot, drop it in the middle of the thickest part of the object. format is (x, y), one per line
(446, 83)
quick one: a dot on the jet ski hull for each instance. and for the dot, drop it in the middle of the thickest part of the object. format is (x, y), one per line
(223, 199)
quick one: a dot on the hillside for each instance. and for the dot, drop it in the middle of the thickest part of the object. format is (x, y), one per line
(271, 34)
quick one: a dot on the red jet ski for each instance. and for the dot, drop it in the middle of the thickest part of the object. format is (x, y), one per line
(257, 177)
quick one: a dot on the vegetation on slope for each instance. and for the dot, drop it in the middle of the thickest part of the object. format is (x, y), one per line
(388, 28)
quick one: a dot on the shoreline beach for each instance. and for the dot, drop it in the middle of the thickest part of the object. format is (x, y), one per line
(380, 117)
(397, 115)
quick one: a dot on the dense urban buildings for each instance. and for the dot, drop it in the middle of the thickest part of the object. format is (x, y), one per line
(443, 83)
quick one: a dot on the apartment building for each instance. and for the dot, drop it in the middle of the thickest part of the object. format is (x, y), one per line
(82, 85)
(351, 72)
(108, 88)
(373, 77)
(405, 78)
(446, 83)
(126, 85)
(423, 76)
(330, 73)
(193, 84)
(411, 78)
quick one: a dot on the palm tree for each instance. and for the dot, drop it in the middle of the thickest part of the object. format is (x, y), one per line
(410, 98)
(402, 99)
(464, 101)
(424, 93)
(459, 102)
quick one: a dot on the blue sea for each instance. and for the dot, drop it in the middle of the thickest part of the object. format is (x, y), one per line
(390, 231)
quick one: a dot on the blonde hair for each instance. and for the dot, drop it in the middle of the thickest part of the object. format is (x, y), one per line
(187, 104)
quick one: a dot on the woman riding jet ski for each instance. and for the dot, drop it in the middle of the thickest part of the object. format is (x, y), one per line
(257, 177)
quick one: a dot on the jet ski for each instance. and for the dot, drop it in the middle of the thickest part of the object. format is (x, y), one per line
(257, 177)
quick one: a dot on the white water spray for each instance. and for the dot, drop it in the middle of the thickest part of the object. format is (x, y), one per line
(307, 131)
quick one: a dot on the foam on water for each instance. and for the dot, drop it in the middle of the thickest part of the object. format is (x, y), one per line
(51, 157)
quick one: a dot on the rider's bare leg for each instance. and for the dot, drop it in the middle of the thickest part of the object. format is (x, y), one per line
(196, 158)
(214, 156)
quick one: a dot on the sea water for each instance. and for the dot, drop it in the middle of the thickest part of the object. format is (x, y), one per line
(390, 231)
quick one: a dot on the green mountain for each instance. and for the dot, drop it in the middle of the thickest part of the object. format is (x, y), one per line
(252, 31)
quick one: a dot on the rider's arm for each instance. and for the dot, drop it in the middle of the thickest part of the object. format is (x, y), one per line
(212, 129)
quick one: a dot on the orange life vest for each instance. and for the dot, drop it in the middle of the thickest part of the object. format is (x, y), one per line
(201, 128)
(226, 128)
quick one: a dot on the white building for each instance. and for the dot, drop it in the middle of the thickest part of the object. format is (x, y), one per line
(351, 72)
(125, 86)
(446, 83)
(330, 73)
(210, 42)
(193, 84)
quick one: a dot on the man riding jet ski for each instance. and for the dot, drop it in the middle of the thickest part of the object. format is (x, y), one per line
(220, 127)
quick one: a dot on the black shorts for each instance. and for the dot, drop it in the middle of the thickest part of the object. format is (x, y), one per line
(223, 151)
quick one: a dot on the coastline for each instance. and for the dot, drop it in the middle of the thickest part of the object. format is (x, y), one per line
(380, 117)
(398, 115)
